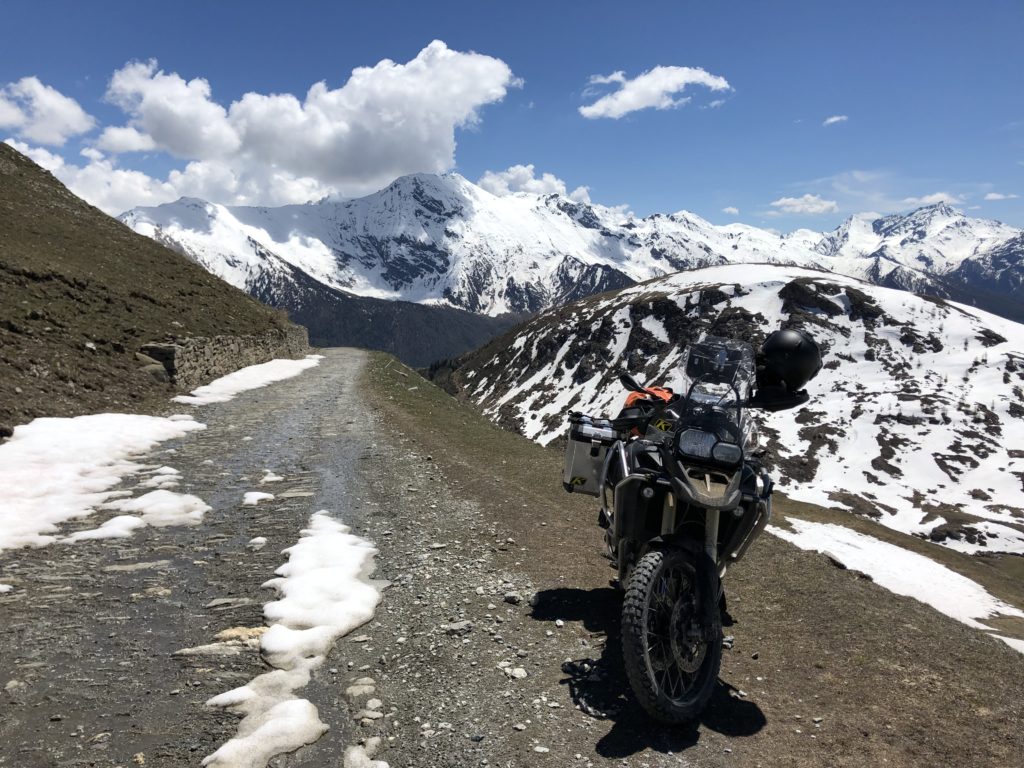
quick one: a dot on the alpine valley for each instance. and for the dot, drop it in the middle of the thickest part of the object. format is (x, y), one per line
(917, 420)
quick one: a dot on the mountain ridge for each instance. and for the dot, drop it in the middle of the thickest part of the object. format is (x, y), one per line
(913, 421)
(440, 239)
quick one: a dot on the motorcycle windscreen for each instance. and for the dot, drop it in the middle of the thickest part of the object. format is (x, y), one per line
(718, 377)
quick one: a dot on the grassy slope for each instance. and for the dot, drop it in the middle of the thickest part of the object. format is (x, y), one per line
(896, 681)
(71, 275)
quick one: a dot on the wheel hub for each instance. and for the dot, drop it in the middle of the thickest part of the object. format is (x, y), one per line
(687, 646)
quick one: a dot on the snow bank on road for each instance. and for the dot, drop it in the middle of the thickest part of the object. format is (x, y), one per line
(57, 469)
(324, 596)
(255, 376)
(900, 571)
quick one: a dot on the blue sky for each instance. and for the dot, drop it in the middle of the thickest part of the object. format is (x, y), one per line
(930, 91)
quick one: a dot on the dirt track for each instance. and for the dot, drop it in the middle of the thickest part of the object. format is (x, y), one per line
(463, 514)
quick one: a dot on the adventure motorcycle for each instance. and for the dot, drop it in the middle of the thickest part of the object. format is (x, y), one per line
(683, 495)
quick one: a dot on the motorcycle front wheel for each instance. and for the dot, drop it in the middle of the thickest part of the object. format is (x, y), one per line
(671, 666)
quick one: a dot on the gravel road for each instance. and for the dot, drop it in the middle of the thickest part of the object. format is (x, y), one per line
(496, 642)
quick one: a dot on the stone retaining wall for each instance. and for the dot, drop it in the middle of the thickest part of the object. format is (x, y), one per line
(190, 363)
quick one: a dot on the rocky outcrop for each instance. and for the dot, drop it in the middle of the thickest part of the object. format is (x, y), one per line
(192, 362)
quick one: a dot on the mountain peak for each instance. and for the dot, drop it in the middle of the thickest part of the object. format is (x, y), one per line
(439, 238)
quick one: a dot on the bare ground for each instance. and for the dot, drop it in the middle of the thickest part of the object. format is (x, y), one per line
(827, 668)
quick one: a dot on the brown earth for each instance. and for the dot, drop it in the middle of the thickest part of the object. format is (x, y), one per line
(80, 293)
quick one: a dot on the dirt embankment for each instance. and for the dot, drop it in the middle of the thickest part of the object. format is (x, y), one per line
(80, 294)
(827, 668)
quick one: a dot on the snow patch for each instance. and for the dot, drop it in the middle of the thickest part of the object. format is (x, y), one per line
(253, 377)
(252, 498)
(163, 477)
(325, 594)
(5, 588)
(120, 527)
(57, 469)
(164, 508)
(1015, 643)
(270, 477)
(900, 571)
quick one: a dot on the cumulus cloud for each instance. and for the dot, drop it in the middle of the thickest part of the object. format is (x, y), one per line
(932, 199)
(118, 139)
(385, 121)
(731, 210)
(178, 116)
(100, 182)
(39, 113)
(658, 88)
(807, 204)
(522, 178)
(1000, 196)
(835, 119)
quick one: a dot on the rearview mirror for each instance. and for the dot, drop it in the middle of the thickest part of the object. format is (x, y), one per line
(630, 383)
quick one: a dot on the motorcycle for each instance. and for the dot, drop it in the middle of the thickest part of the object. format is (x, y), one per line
(684, 494)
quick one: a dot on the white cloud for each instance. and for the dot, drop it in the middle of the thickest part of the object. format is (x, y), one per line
(99, 182)
(42, 114)
(176, 115)
(932, 199)
(731, 210)
(522, 178)
(1000, 196)
(716, 104)
(835, 119)
(118, 139)
(657, 88)
(383, 122)
(807, 204)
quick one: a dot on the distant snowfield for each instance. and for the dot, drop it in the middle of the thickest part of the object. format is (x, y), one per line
(252, 377)
(947, 411)
(903, 572)
(325, 594)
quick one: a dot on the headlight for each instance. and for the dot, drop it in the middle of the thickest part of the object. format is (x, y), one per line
(727, 453)
(696, 443)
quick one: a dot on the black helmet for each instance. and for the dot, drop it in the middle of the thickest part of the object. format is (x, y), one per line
(789, 359)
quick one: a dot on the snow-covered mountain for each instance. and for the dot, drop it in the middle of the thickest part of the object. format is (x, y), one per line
(916, 420)
(443, 240)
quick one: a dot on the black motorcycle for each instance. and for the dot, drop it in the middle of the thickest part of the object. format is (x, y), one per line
(683, 496)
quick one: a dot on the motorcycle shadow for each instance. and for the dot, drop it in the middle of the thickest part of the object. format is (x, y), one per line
(600, 688)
